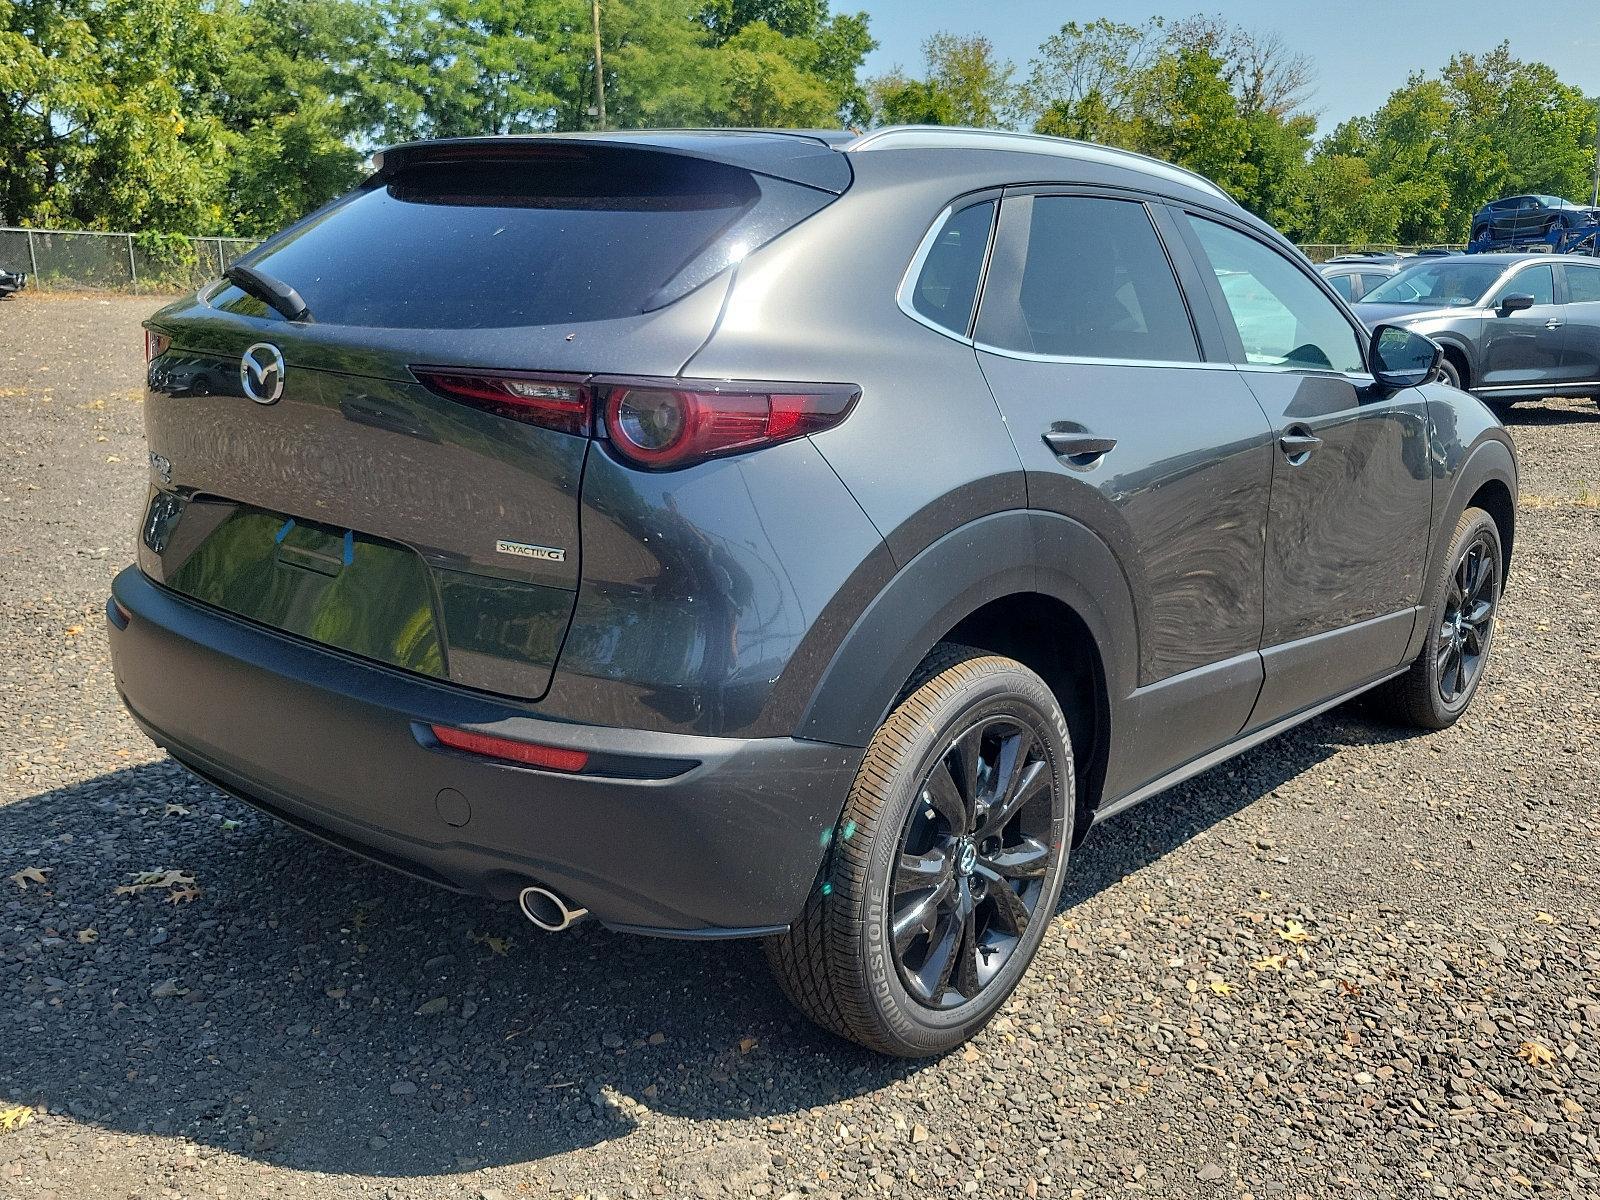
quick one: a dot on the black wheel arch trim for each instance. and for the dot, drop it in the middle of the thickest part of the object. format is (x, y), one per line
(1467, 351)
(1490, 460)
(987, 559)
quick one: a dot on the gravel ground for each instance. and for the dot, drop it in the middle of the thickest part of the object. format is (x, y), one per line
(1349, 963)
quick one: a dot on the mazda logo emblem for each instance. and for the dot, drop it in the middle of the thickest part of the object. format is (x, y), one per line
(261, 373)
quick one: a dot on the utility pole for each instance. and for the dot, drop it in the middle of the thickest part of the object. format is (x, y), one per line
(599, 73)
(1594, 196)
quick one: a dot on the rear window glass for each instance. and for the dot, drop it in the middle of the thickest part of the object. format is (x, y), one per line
(551, 240)
(947, 286)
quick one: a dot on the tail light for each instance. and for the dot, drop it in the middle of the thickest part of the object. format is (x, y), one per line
(659, 424)
(155, 345)
(548, 401)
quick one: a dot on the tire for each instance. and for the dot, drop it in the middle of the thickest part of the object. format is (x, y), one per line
(1427, 696)
(840, 963)
(1448, 372)
(1478, 234)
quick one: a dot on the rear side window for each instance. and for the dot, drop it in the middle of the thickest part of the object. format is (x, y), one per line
(947, 285)
(1283, 318)
(1583, 284)
(1083, 277)
(560, 237)
(1368, 282)
(1343, 284)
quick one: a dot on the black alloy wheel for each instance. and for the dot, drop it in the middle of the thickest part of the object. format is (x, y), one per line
(1462, 601)
(1462, 639)
(973, 858)
(943, 873)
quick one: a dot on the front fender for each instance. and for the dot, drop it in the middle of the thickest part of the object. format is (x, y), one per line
(1008, 553)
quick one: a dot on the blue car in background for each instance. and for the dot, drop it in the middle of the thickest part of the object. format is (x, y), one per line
(1529, 217)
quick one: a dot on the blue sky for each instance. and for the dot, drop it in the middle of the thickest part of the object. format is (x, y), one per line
(1363, 49)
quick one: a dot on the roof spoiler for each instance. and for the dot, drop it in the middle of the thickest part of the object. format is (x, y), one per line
(804, 159)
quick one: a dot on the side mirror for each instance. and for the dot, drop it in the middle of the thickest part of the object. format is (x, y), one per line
(1399, 358)
(1515, 302)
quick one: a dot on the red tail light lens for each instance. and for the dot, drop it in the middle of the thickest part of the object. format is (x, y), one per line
(529, 754)
(155, 345)
(547, 401)
(661, 424)
(666, 427)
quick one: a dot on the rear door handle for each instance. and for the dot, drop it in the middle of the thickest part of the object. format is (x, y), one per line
(1079, 445)
(1297, 446)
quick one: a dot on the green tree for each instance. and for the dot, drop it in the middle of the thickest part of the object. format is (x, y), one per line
(103, 105)
(1082, 84)
(964, 83)
(292, 101)
(1440, 148)
(1185, 112)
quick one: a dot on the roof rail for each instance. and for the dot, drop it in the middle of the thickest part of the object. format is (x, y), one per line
(961, 137)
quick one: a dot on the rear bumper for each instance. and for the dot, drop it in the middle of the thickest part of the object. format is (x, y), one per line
(729, 845)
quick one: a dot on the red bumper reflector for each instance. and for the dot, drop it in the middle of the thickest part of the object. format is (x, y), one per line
(551, 758)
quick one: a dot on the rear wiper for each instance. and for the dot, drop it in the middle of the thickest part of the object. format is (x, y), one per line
(272, 290)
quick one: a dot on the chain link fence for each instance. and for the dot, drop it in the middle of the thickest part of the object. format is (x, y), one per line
(1322, 251)
(57, 260)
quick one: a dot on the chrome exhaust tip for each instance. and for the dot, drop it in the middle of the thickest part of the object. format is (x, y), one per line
(549, 910)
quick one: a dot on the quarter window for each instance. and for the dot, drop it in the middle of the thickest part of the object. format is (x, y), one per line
(1538, 281)
(1094, 282)
(1583, 284)
(1283, 318)
(947, 285)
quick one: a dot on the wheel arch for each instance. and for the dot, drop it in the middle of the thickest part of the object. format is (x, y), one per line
(1486, 477)
(1461, 352)
(1067, 613)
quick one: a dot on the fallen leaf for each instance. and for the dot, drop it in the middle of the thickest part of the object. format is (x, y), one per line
(15, 1117)
(1536, 1054)
(229, 825)
(28, 875)
(74, 630)
(85, 936)
(183, 895)
(746, 1044)
(175, 810)
(496, 945)
(1348, 988)
(1273, 962)
(147, 880)
(1221, 987)
(1294, 933)
(1544, 918)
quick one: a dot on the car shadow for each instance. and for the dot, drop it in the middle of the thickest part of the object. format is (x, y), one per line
(311, 1010)
(1545, 413)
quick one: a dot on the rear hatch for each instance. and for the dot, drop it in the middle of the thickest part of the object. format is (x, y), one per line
(349, 479)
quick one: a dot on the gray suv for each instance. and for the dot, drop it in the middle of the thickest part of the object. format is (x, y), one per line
(1512, 326)
(797, 536)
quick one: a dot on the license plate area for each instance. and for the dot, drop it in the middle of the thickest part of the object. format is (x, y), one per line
(339, 587)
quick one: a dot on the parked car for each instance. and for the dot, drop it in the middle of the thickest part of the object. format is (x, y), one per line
(697, 550)
(12, 281)
(1353, 276)
(1512, 326)
(1529, 217)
